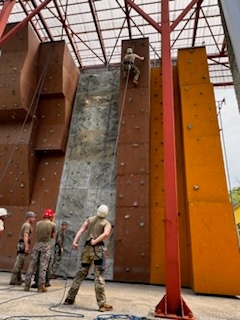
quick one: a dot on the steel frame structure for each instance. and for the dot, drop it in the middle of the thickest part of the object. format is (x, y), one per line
(172, 305)
(94, 29)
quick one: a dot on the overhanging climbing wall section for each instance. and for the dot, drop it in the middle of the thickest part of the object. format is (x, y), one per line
(215, 259)
(18, 78)
(35, 108)
(58, 90)
(131, 231)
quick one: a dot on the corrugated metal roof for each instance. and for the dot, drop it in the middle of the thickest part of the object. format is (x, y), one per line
(94, 30)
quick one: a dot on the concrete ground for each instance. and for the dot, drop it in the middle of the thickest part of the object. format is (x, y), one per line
(130, 301)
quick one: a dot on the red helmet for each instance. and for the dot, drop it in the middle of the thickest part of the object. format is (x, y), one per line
(48, 214)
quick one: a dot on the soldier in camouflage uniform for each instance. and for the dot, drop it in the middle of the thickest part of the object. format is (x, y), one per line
(97, 229)
(45, 231)
(58, 249)
(129, 65)
(23, 248)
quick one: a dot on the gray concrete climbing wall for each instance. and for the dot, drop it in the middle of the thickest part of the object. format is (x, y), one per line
(89, 171)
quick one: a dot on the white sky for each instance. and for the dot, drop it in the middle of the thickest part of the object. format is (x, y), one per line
(230, 119)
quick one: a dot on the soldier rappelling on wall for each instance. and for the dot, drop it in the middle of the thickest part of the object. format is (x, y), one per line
(128, 65)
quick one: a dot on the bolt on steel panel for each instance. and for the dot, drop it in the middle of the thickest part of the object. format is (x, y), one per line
(136, 164)
(131, 259)
(134, 129)
(133, 190)
(134, 104)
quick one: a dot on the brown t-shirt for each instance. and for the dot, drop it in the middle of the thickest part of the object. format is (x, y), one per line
(26, 228)
(45, 230)
(96, 227)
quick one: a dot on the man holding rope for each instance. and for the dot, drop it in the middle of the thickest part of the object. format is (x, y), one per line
(97, 229)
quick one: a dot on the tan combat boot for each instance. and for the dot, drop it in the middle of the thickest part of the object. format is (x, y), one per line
(42, 288)
(105, 307)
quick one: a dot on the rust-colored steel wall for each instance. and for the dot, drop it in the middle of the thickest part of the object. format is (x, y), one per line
(32, 149)
(18, 75)
(55, 105)
(131, 259)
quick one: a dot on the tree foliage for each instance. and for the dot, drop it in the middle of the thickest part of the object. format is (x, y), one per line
(235, 195)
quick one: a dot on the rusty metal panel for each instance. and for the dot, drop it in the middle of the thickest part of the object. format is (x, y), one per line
(133, 190)
(62, 73)
(131, 260)
(54, 115)
(18, 75)
(134, 104)
(135, 164)
(45, 194)
(18, 163)
(134, 129)
(30, 173)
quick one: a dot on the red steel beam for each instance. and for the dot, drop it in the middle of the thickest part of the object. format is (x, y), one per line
(128, 19)
(5, 13)
(184, 12)
(98, 29)
(145, 16)
(196, 22)
(21, 24)
(68, 33)
(172, 305)
(43, 22)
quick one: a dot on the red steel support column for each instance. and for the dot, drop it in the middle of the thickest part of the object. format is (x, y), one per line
(4, 14)
(172, 305)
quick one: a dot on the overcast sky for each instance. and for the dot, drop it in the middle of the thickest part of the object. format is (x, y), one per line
(230, 118)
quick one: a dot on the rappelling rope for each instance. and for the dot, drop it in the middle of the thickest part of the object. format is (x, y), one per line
(119, 123)
(119, 316)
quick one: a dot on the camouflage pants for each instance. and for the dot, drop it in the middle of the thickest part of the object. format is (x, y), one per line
(90, 254)
(132, 68)
(40, 255)
(57, 258)
(17, 269)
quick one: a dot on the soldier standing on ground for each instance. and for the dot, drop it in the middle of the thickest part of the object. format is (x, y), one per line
(3, 215)
(45, 231)
(97, 229)
(58, 249)
(129, 65)
(23, 248)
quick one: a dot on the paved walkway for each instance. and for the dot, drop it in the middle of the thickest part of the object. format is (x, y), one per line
(127, 299)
